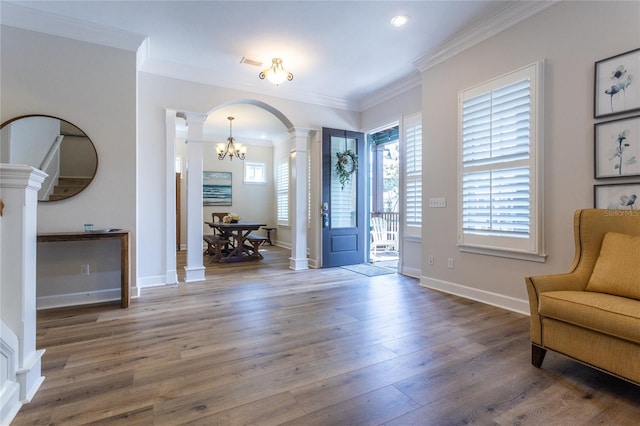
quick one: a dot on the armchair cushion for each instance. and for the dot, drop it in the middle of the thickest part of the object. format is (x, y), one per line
(617, 269)
(612, 315)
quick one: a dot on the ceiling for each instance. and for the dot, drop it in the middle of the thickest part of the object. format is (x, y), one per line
(343, 54)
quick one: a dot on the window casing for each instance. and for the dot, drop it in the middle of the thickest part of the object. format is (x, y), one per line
(500, 172)
(255, 172)
(412, 130)
(282, 192)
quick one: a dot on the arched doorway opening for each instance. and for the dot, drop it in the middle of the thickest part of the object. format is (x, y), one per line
(268, 134)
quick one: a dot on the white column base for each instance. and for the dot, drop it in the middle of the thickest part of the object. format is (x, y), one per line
(29, 376)
(171, 276)
(298, 264)
(194, 274)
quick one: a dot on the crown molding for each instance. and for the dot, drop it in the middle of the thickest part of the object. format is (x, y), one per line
(506, 18)
(204, 76)
(389, 91)
(26, 18)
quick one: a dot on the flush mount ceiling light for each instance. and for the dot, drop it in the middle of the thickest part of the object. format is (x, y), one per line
(399, 20)
(230, 148)
(276, 74)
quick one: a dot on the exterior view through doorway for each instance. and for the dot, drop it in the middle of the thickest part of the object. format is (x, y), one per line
(384, 203)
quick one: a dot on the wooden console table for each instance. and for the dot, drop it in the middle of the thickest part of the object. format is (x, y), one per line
(121, 235)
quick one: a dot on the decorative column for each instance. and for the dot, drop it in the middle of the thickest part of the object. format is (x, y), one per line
(194, 270)
(299, 198)
(171, 269)
(315, 230)
(19, 185)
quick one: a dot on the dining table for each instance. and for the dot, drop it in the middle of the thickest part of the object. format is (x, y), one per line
(239, 233)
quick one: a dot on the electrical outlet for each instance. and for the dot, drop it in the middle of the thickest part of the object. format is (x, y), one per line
(450, 263)
(84, 269)
(430, 260)
(437, 202)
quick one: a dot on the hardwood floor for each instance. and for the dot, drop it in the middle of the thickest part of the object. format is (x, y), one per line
(257, 343)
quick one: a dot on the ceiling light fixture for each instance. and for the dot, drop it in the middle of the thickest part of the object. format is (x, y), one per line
(276, 73)
(399, 20)
(230, 148)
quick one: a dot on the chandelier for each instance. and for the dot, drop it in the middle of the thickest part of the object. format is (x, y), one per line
(230, 148)
(276, 74)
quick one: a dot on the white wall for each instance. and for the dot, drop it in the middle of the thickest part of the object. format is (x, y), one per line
(570, 36)
(72, 148)
(391, 110)
(93, 87)
(29, 140)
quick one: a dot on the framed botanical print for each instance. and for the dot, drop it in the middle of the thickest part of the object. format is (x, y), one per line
(620, 196)
(617, 84)
(617, 148)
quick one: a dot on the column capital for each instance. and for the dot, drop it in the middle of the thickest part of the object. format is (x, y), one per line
(21, 176)
(299, 132)
(192, 117)
(299, 138)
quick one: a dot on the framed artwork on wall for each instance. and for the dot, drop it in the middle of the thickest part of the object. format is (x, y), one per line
(216, 188)
(619, 196)
(617, 84)
(617, 148)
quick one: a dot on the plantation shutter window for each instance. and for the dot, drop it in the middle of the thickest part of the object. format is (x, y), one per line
(282, 192)
(499, 169)
(413, 173)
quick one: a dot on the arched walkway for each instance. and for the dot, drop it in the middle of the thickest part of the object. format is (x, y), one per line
(298, 146)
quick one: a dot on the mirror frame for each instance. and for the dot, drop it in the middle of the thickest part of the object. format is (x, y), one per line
(95, 152)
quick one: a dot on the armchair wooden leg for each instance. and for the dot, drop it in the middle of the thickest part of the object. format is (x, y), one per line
(537, 355)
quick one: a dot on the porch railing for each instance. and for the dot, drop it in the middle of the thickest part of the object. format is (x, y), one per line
(392, 219)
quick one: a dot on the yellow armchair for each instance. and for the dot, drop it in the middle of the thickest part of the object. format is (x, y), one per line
(599, 328)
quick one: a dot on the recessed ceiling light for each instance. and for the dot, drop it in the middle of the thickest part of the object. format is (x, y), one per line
(399, 20)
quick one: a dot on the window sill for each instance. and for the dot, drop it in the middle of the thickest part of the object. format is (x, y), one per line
(511, 254)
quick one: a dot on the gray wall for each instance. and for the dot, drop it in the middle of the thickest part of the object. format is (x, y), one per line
(570, 37)
(93, 87)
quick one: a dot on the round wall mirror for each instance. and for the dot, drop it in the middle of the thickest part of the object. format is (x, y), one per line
(55, 146)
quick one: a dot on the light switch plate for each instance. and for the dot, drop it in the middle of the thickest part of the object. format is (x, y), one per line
(437, 202)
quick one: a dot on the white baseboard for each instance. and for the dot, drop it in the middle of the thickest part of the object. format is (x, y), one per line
(151, 281)
(84, 298)
(283, 245)
(411, 272)
(490, 298)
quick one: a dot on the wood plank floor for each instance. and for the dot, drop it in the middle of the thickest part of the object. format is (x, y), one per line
(257, 343)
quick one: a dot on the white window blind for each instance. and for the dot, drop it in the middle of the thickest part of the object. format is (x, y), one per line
(498, 182)
(413, 172)
(309, 190)
(282, 192)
